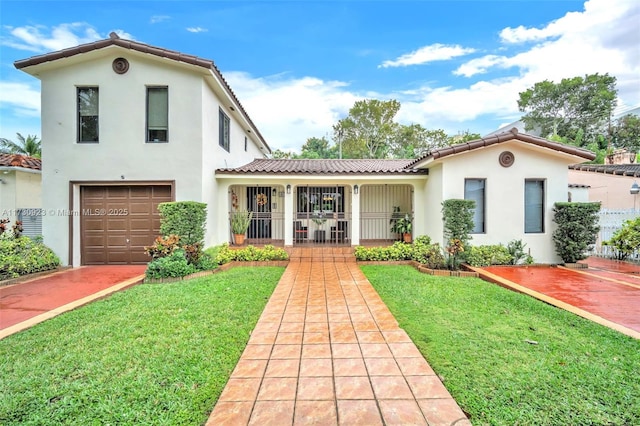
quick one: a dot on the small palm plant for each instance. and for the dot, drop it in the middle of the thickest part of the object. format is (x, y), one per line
(240, 222)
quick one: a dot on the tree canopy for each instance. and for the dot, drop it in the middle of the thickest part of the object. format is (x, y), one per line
(30, 146)
(576, 109)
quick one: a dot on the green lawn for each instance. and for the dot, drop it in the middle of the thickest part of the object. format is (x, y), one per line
(474, 334)
(154, 354)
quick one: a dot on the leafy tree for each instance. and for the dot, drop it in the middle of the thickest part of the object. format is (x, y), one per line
(278, 153)
(573, 105)
(625, 133)
(626, 240)
(318, 148)
(30, 146)
(465, 136)
(369, 130)
(414, 141)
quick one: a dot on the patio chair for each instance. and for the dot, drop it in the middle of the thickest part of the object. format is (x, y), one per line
(300, 233)
(339, 232)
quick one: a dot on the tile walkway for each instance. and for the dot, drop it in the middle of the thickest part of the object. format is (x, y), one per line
(327, 351)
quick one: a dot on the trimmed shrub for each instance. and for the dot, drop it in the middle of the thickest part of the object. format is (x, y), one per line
(174, 265)
(428, 254)
(489, 255)
(186, 219)
(422, 251)
(577, 229)
(22, 256)
(626, 240)
(249, 254)
(457, 216)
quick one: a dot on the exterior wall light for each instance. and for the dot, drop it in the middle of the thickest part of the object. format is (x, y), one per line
(288, 188)
(355, 189)
(634, 188)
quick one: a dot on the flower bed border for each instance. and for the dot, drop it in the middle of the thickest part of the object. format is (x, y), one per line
(420, 267)
(220, 268)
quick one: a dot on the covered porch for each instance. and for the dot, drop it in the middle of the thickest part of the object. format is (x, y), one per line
(299, 202)
(322, 214)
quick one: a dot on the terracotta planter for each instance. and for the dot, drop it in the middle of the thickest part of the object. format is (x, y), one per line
(238, 239)
(406, 237)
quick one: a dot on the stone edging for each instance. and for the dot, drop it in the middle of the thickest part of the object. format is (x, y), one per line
(23, 278)
(576, 265)
(423, 269)
(220, 268)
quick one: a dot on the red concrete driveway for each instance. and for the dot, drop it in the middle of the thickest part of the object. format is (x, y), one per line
(607, 292)
(41, 298)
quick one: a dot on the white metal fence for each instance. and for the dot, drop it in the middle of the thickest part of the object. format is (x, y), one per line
(610, 222)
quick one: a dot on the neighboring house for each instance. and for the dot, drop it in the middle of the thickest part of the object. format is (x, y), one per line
(129, 125)
(609, 184)
(20, 192)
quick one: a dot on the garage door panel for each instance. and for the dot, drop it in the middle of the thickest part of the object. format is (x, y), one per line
(117, 224)
(109, 237)
(140, 192)
(138, 208)
(140, 224)
(117, 192)
(93, 224)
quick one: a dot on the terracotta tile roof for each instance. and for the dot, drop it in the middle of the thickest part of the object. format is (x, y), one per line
(18, 160)
(334, 167)
(513, 134)
(114, 40)
(609, 169)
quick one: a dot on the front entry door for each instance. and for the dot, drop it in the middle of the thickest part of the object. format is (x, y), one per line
(259, 202)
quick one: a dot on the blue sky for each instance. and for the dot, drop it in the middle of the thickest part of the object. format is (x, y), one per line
(298, 66)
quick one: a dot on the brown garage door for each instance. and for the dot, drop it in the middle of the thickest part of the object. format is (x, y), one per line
(118, 221)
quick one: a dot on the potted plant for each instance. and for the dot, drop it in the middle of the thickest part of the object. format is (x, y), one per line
(404, 227)
(239, 224)
(394, 219)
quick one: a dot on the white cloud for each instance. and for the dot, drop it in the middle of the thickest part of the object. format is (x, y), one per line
(22, 97)
(43, 39)
(598, 40)
(434, 52)
(480, 65)
(197, 30)
(155, 19)
(289, 110)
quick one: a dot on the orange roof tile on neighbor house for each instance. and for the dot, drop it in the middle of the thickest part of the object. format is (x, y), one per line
(19, 160)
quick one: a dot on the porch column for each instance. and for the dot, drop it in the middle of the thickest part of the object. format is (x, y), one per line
(355, 217)
(288, 214)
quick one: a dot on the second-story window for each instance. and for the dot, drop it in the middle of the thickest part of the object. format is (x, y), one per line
(157, 114)
(225, 124)
(88, 123)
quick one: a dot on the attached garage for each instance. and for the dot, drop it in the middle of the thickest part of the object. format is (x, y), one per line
(118, 221)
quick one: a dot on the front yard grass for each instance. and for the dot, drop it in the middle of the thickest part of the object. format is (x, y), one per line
(154, 354)
(509, 359)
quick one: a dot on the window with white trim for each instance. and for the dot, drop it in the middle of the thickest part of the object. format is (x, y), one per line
(157, 114)
(225, 125)
(534, 206)
(88, 106)
(474, 189)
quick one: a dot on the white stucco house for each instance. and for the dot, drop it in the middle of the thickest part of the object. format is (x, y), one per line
(128, 126)
(21, 192)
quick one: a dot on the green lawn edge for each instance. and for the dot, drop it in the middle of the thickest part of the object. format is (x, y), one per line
(153, 354)
(510, 359)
